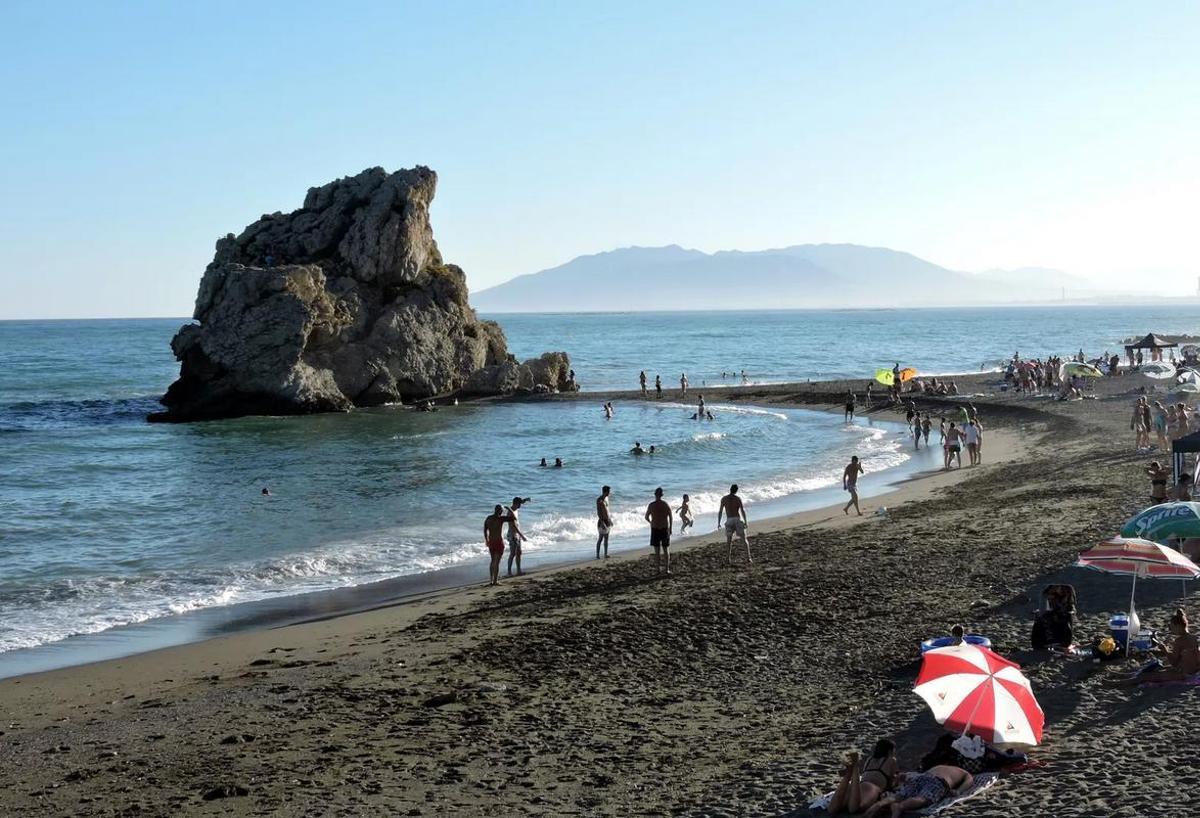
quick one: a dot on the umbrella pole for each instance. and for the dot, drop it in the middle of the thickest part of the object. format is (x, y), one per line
(1129, 631)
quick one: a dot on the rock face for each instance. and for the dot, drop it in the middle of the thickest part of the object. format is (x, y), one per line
(345, 302)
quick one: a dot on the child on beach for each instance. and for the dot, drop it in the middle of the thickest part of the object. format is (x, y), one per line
(685, 515)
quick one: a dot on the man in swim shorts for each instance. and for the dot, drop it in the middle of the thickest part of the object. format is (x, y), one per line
(735, 522)
(658, 514)
(515, 535)
(603, 521)
(923, 789)
(850, 483)
(850, 401)
(493, 535)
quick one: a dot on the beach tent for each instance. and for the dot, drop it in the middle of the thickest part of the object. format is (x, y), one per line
(1153, 343)
(1180, 449)
(1158, 370)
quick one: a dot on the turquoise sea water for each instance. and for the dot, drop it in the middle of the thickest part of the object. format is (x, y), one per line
(106, 520)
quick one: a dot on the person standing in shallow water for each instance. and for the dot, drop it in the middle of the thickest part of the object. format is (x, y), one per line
(657, 387)
(850, 400)
(683, 384)
(850, 483)
(493, 535)
(642, 381)
(515, 535)
(603, 521)
(658, 514)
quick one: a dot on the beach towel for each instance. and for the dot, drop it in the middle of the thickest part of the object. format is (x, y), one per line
(981, 783)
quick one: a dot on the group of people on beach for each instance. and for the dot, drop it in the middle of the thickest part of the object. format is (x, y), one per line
(877, 784)
(1155, 425)
(493, 535)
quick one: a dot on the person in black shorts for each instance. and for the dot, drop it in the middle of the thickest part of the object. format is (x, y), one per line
(658, 514)
(850, 401)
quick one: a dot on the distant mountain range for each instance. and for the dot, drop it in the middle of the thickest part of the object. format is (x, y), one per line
(806, 275)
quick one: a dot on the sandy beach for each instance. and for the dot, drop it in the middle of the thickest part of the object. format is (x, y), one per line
(604, 690)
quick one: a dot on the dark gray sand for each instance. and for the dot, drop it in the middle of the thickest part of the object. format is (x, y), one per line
(608, 691)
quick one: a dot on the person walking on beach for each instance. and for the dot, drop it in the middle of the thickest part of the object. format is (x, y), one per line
(642, 381)
(657, 387)
(971, 435)
(658, 514)
(685, 515)
(953, 446)
(850, 399)
(850, 483)
(515, 535)
(603, 521)
(493, 535)
(735, 522)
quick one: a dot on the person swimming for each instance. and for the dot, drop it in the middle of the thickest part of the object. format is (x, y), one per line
(637, 448)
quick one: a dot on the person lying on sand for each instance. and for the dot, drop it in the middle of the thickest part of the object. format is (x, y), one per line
(922, 789)
(862, 785)
(1182, 658)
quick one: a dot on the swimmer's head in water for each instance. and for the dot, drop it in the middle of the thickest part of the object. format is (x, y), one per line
(658, 492)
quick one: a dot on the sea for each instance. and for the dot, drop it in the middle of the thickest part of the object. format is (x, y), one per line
(117, 535)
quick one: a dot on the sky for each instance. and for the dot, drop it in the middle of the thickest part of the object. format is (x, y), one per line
(975, 135)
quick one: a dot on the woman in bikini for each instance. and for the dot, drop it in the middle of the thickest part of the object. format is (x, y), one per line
(923, 789)
(861, 786)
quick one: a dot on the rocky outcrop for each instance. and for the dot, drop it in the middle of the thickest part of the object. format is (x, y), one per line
(346, 302)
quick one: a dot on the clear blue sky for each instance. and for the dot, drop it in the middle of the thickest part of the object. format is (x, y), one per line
(972, 134)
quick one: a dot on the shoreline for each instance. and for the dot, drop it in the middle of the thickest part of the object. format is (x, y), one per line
(285, 610)
(581, 690)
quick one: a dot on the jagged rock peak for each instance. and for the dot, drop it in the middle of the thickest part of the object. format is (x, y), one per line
(345, 302)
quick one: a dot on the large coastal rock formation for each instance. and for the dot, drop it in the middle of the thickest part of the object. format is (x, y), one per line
(345, 302)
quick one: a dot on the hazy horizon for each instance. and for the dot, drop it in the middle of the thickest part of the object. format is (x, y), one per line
(975, 137)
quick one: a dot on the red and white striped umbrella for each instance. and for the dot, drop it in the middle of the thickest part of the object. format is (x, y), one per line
(1138, 558)
(969, 687)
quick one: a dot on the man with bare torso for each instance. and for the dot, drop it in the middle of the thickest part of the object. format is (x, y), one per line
(515, 535)
(850, 483)
(735, 522)
(493, 535)
(603, 521)
(658, 514)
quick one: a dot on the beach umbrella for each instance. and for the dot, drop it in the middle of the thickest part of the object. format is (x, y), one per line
(970, 688)
(1158, 370)
(1164, 520)
(907, 374)
(1190, 387)
(1135, 557)
(1073, 368)
(1189, 376)
(885, 376)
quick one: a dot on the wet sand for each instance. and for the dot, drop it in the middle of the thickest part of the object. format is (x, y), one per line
(605, 690)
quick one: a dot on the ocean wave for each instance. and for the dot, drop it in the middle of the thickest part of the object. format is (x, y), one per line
(39, 615)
